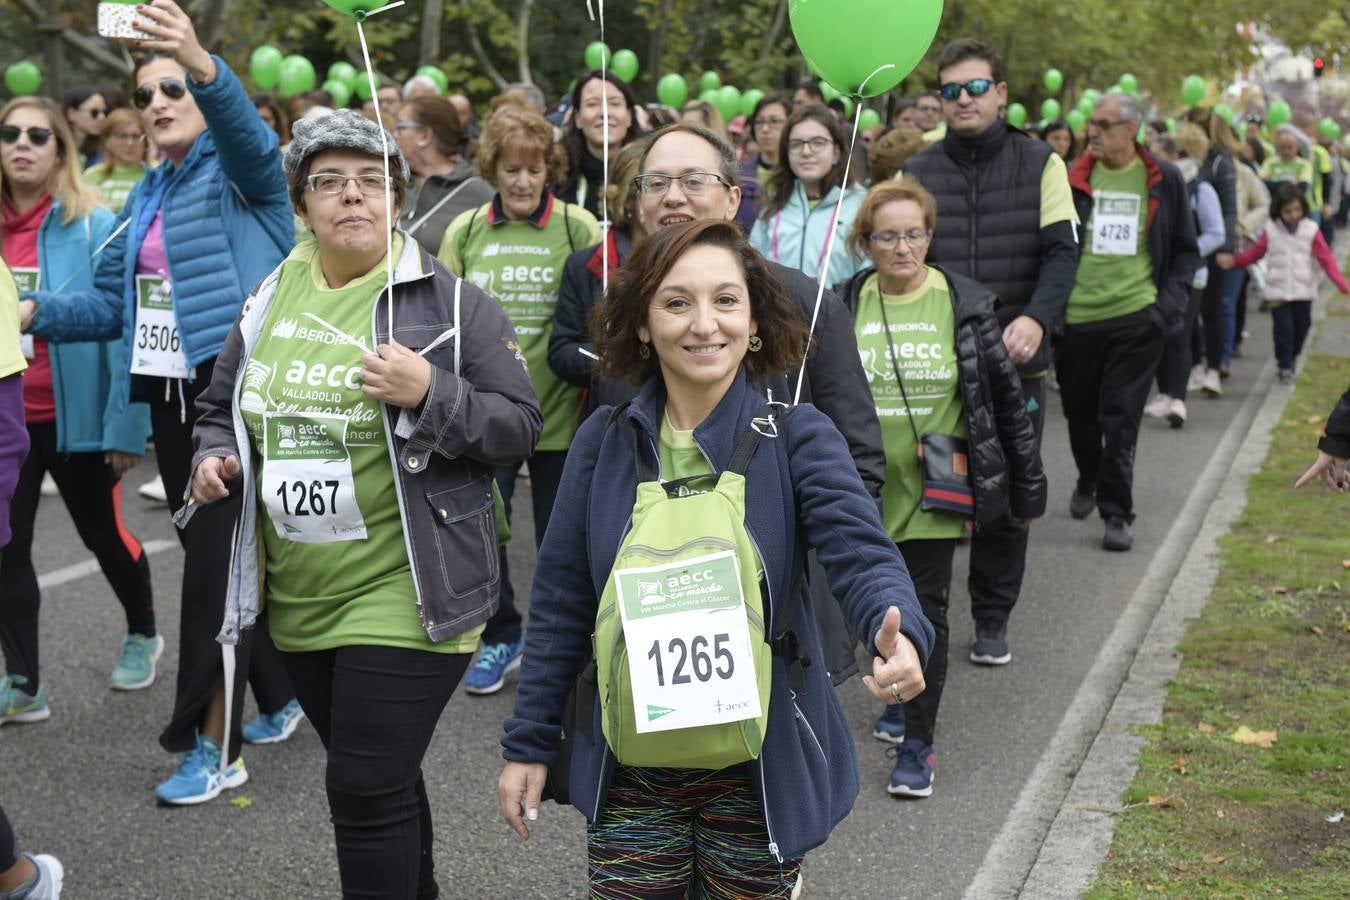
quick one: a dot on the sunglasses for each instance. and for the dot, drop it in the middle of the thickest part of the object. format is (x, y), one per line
(38, 137)
(976, 87)
(173, 88)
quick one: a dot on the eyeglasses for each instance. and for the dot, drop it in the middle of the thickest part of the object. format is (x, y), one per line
(817, 145)
(887, 240)
(404, 123)
(38, 137)
(1104, 125)
(96, 113)
(333, 183)
(693, 184)
(976, 87)
(769, 122)
(173, 89)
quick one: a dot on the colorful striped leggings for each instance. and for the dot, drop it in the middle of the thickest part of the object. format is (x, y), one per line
(684, 833)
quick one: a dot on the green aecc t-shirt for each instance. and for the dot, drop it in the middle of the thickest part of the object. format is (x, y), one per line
(324, 472)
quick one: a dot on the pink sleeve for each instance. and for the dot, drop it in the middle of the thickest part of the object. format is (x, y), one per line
(1252, 254)
(1327, 259)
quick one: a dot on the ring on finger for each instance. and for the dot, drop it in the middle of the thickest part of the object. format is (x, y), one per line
(895, 692)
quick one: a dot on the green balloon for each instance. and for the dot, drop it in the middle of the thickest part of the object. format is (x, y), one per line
(436, 75)
(1171, 125)
(296, 76)
(597, 55)
(1278, 114)
(344, 72)
(749, 100)
(1193, 90)
(848, 106)
(1116, 89)
(355, 8)
(709, 81)
(264, 67)
(625, 65)
(1091, 95)
(1128, 83)
(23, 78)
(868, 118)
(1077, 121)
(1050, 109)
(1017, 115)
(1225, 112)
(672, 90)
(709, 96)
(342, 94)
(1086, 105)
(1329, 128)
(827, 91)
(362, 87)
(864, 47)
(1054, 80)
(728, 101)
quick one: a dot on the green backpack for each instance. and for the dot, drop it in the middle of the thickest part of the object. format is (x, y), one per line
(681, 624)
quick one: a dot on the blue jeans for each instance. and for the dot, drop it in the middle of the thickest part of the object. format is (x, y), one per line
(1291, 321)
(1234, 284)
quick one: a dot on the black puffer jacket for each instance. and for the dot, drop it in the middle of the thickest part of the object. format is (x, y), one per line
(1337, 439)
(1005, 466)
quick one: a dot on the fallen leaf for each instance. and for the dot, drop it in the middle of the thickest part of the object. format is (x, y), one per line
(1245, 735)
(1153, 888)
(1181, 764)
(1272, 539)
(1214, 859)
(1313, 420)
(1345, 564)
(1205, 728)
(1219, 813)
(1317, 630)
(241, 802)
(1279, 589)
(1335, 818)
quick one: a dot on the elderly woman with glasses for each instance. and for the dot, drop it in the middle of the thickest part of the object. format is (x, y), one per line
(515, 247)
(218, 218)
(365, 466)
(940, 377)
(797, 224)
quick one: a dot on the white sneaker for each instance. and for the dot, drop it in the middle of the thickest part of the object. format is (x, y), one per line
(1211, 383)
(1195, 381)
(1176, 413)
(50, 876)
(49, 488)
(1157, 407)
(154, 490)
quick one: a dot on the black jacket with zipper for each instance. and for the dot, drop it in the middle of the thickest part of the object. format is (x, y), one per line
(1005, 466)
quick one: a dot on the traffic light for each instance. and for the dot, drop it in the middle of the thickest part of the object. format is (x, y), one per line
(1319, 67)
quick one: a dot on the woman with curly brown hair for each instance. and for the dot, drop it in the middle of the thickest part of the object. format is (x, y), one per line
(514, 247)
(697, 317)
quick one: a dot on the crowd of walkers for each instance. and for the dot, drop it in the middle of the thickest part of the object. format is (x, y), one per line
(762, 383)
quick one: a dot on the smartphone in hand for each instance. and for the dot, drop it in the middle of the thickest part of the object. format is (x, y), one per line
(115, 18)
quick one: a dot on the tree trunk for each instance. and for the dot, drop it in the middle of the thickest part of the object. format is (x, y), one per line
(771, 38)
(429, 45)
(523, 36)
(657, 46)
(480, 53)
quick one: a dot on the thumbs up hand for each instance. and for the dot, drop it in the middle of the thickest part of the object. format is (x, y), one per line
(897, 675)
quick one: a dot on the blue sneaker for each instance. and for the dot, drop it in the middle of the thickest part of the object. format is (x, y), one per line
(136, 666)
(199, 778)
(913, 772)
(20, 706)
(495, 661)
(891, 726)
(273, 728)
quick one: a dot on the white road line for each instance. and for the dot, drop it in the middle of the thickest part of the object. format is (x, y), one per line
(1015, 850)
(76, 571)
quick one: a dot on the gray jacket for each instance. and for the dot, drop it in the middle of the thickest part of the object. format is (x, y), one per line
(431, 208)
(444, 452)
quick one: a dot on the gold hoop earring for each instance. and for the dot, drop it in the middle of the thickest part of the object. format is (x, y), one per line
(755, 343)
(644, 351)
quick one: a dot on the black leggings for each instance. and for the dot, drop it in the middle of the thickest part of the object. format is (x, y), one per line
(207, 545)
(93, 497)
(375, 709)
(930, 568)
(9, 844)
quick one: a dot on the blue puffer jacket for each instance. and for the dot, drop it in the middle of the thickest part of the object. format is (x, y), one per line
(807, 774)
(227, 224)
(88, 417)
(795, 235)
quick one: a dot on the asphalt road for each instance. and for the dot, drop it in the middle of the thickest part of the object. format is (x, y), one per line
(80, 785)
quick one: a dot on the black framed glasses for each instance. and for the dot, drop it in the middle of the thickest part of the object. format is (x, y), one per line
(333, 183)
(693, 184)
(769, 122)
(38, 137)
(173, 88)
(976, 87)
(815, 145)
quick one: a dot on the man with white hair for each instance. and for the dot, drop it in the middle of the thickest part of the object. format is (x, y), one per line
(1137, 258)
(421, 86)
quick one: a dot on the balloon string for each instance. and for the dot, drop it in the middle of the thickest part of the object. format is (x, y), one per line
(824, 273)
(384, 147)
(604, 164)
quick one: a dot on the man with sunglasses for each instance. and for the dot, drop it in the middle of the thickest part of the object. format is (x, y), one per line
(1005, 218)
(1138, 256)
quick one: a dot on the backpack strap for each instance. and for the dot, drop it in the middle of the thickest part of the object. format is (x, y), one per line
(765, 423)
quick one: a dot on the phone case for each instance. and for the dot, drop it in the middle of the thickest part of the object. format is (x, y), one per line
(114, 21)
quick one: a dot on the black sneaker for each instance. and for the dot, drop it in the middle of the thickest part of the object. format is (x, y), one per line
(1119, 537)
(991, 645)
(1083, 502)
